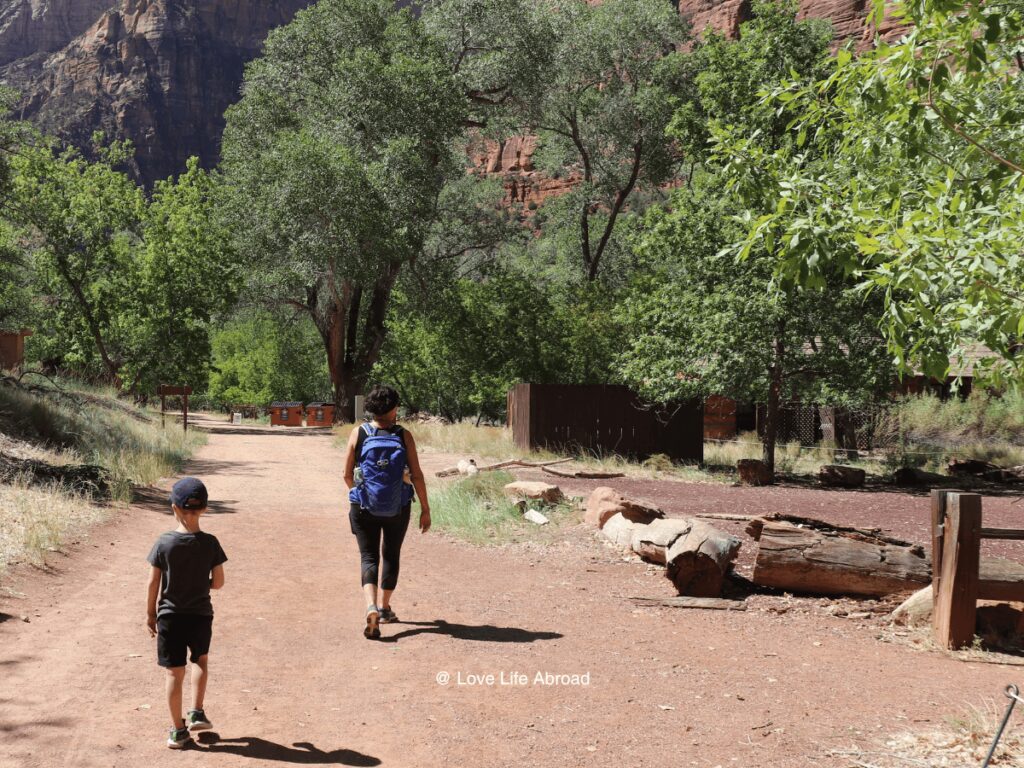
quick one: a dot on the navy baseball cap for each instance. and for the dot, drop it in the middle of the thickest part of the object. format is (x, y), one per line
(189, 493)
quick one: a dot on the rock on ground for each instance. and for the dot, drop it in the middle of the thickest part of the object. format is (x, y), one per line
(525, 489)
(604, 503)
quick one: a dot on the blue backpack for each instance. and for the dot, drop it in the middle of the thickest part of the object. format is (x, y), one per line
(381, 489)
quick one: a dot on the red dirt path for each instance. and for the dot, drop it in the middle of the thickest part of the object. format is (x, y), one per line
(293, 681)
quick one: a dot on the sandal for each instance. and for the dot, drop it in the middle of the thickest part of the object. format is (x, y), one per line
(372, 631)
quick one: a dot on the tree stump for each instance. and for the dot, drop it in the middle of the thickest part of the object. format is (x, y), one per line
(754, 472)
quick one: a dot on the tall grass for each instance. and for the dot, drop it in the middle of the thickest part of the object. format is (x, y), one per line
(466, 439)
(94, 427)
(35, 520)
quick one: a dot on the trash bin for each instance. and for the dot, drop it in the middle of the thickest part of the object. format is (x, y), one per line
(320, 415)
(286, 414)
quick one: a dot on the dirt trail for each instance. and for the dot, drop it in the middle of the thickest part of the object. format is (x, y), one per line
(293, 681)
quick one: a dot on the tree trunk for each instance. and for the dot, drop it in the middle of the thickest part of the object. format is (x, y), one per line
(771, 417)
(816, 558)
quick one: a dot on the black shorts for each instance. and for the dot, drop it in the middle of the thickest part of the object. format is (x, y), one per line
(178, 634)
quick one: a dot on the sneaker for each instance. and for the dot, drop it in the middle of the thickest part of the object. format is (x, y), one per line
(197, 720)
(372, 631)
(179, 738)
(387, 616)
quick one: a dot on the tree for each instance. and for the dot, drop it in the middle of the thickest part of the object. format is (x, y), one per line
(919, 188)
(336, 157)
(83, 220)
(705, 323)
(261, 356)
(615, 78)
(187, 276)
(714, 319)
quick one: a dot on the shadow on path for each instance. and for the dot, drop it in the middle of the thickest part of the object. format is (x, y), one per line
(300, 753)
(484, 632)
(156, 500)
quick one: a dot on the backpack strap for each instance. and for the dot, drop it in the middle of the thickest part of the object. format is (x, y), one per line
(366, 429)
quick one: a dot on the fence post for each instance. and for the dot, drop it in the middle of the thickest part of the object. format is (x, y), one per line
(955, 603)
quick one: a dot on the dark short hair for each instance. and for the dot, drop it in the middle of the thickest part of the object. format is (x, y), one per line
(381, 400)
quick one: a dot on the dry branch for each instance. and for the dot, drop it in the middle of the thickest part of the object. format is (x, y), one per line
(502, 464)
(583, 475)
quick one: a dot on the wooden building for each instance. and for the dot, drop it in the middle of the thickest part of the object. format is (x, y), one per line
(12, 349)
(603, 419)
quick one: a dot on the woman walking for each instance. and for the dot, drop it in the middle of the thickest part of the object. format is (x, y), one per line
(382, 472)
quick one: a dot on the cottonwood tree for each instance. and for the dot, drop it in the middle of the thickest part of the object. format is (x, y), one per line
(615, 77)
(339, 156)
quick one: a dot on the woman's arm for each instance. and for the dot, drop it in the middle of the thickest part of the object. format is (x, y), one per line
(418, 481)
(350, 459)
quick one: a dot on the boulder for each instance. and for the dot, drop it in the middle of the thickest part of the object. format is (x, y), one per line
(754, 472)
(841, 476)
(916, 610)
(603, 503)
(652, 541)
(619, 530)
(522, 489)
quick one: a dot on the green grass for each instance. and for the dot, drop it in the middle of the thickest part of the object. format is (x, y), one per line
(476, 509)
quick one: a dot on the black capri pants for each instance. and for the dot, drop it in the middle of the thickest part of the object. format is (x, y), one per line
(369, 530)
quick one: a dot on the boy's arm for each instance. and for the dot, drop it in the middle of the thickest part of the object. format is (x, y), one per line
(152, 593)
(217, 577)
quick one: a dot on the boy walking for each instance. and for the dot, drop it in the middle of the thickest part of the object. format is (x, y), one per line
(186, 564)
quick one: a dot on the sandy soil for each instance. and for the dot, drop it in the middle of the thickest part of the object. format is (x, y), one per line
(293, 680)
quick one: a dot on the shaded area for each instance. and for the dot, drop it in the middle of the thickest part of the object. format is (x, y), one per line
(156, 500)
(228, 429)
(483, 632)
(300, 753)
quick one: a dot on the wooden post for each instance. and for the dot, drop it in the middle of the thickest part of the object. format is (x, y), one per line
(956, 602)
(185, 410)
(940, 498)
(163, 409)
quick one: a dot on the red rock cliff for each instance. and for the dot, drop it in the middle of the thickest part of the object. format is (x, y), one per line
(158, 72)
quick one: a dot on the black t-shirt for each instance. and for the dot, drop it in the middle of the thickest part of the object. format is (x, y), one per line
(186, 560)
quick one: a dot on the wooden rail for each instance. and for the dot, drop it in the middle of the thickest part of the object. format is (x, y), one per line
(960, 577)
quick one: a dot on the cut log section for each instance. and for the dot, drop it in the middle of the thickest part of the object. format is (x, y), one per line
(698, 560)
(813, 557)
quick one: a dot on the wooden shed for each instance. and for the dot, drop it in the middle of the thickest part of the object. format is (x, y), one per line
(12, 348)
(603, 419)
(320, 414)
(286, 414)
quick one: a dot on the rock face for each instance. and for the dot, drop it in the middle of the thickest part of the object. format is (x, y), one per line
(162, 72)
(157, 72)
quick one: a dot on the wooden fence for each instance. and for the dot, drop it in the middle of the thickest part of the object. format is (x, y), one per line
(601, 420)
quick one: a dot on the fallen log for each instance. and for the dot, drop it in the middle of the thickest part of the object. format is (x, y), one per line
(814, 557)
(502, 465)
(710, 603)
(583, 475)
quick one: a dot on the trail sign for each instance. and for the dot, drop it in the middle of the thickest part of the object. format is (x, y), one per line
(169, 390)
